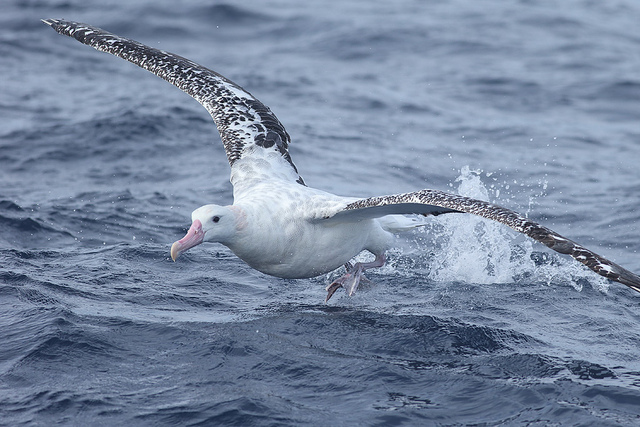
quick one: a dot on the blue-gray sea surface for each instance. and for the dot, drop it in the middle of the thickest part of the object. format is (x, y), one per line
(534, 105)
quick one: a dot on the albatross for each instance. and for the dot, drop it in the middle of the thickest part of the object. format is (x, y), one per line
(277, 224)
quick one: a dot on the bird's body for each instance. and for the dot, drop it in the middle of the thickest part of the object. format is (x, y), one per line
(281, 229)
(275, 241)
(277, 224)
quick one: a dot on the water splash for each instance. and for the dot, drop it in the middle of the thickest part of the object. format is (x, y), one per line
(471, 249)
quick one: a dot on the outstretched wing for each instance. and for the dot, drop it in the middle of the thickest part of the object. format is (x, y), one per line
(433, 202)
(247, 127)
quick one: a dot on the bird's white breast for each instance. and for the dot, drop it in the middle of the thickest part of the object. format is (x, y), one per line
(285, 236)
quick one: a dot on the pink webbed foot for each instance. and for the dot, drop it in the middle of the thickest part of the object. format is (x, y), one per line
(349, 282)
(354, 276)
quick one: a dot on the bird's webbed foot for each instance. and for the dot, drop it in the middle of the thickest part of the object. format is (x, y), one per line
(353, 277)
(349, 282)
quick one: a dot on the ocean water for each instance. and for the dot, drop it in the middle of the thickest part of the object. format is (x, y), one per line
(532, 105)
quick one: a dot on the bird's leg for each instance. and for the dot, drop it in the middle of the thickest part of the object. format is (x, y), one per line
(354, 276)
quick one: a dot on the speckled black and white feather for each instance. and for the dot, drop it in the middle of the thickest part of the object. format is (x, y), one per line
(246, 125)
(433, 202)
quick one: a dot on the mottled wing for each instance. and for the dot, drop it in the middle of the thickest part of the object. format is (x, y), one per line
(247, 127)
(433, 202)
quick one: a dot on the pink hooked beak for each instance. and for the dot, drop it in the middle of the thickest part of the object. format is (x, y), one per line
(194, 237)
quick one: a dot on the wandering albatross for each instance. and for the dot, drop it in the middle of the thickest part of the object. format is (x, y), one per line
(277, 224)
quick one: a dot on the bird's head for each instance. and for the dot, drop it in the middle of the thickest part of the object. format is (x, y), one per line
(210, 223)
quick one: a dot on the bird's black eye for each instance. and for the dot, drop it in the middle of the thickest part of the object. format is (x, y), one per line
(215, 218)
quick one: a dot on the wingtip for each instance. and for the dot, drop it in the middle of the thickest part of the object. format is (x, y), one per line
(627, 278)
(634, 286)
(54, 23)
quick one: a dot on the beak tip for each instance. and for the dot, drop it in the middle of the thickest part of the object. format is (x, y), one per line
(175, 253)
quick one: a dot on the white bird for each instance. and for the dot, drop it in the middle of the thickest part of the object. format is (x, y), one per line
(277, 224)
